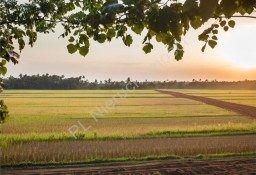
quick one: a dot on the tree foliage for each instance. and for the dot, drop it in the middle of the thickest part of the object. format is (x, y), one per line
(102, 20)
(165, 21)
(50, 82)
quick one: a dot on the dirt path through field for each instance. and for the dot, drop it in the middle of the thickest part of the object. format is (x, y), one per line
(238, 108)
(214, 167)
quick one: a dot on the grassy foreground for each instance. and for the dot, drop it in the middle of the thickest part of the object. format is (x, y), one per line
(75, 151)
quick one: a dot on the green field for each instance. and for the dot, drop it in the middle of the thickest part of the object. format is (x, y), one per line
(41, 120)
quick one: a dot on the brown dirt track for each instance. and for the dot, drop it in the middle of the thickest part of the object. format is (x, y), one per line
(238, 108)
(244, 166)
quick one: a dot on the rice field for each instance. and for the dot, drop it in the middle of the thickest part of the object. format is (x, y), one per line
(41, 119)
(75, 151)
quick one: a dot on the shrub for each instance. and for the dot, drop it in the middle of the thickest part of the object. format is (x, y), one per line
(3, 111)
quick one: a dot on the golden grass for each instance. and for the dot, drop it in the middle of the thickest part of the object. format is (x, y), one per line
(123, 126)
(73, 151)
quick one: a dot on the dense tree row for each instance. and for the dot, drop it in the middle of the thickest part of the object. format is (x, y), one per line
(60, 82)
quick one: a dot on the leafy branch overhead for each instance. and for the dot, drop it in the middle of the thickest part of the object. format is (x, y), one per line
(102, 20)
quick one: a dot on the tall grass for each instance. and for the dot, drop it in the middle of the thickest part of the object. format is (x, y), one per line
(73, 151)
(199, 131)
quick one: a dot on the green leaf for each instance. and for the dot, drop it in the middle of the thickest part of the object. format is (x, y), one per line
(138, 28)
(121, 31)
(242, 11)
(216, 25)
(101, 38)
(168, 39)
(226, 28)
(207, 9)
(179, 46)
(76, 32)
(21, 44)
(111, 33)
(2, 53)
(83, 39)
(147, 48)
(159, 37)
(212, 43)
(232, 23)
(223, 23)
(3, 62)
(72, 48)
(203, 37)
(170, 48)
(71, 39)
(3, 70)
(179, 52)
(84, 50)
(128, 40)
(196, 22)
(214, 37)
(215, 31)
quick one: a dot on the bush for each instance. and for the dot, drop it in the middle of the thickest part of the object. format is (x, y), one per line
(3, 111)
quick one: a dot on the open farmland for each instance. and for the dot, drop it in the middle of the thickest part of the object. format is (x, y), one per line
(147, 122)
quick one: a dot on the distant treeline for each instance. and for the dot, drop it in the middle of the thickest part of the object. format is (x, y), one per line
(60, 82)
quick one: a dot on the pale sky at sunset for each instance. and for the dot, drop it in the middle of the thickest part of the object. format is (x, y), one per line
(234, 58)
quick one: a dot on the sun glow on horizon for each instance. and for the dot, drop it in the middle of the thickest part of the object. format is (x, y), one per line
(238, 46)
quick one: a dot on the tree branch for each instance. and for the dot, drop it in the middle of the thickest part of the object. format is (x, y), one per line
(24, 22)
(238, 16)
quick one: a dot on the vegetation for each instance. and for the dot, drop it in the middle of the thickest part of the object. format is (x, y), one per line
(56, 111)
(60, 82)
(142, 133)
(41, 119)
(165, 21)
(81, 151)
(3, 111)
(200, 131)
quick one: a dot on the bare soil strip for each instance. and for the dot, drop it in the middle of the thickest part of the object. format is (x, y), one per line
(213, 167)
(238, 108)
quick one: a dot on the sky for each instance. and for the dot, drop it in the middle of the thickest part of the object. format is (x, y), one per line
(234, 58)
